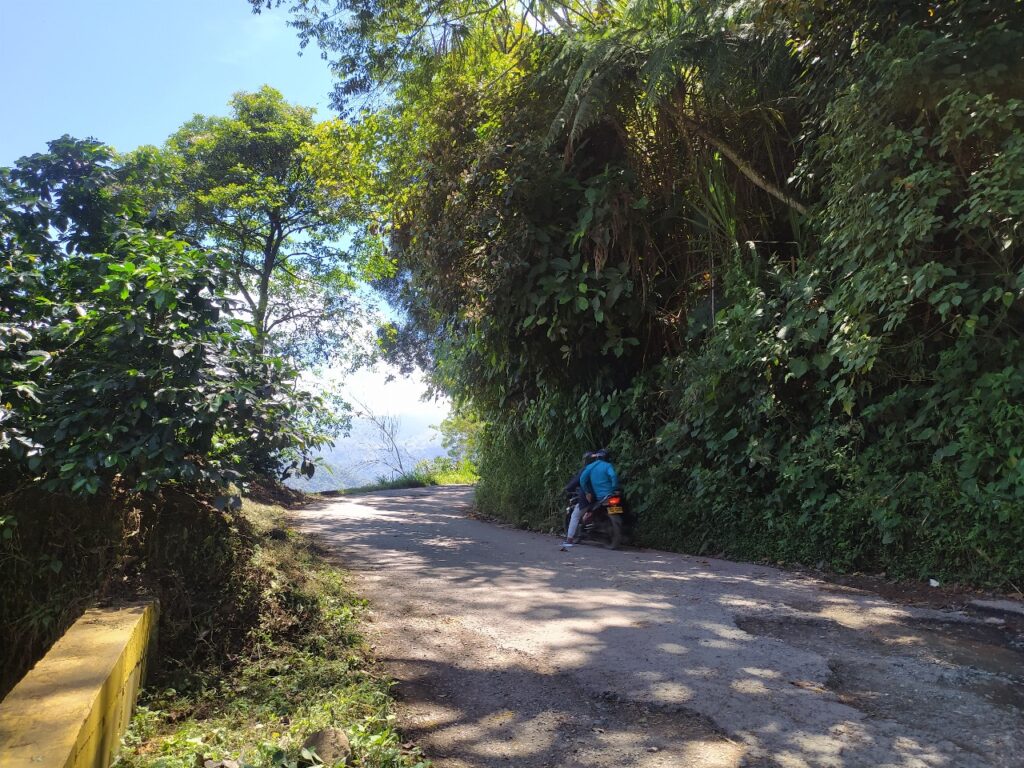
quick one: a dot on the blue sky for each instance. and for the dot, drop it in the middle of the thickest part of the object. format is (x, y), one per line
(129, 72)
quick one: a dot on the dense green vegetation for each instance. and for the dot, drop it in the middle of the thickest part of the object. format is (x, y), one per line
(128, 357)
(157, 309)
(768, 252)
(138, 389)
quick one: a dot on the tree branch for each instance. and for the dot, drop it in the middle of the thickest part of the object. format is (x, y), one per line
(742, 165)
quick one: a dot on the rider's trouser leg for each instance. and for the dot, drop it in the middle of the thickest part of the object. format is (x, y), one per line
(574, 522)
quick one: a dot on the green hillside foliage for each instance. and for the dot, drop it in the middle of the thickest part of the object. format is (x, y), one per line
(770, 253)
(297, 665)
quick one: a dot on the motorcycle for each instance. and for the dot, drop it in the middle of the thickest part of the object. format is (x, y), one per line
(609, 519)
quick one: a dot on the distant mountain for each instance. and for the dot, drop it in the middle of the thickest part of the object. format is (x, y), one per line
(354, 460)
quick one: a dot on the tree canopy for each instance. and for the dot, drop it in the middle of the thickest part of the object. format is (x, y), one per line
(274, 191)
(134, 357)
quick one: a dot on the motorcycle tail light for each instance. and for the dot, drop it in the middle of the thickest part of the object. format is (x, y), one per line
(614, 500)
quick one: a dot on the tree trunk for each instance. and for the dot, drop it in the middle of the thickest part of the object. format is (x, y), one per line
(270, 252)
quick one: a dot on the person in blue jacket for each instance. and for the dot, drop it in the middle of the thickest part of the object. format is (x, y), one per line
(599, 480)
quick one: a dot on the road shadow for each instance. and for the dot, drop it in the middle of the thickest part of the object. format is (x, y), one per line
(679, 649)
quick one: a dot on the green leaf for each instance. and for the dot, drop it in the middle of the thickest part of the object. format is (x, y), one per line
(798, 366)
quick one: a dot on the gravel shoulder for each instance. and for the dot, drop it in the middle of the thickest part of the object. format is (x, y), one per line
(509, 652)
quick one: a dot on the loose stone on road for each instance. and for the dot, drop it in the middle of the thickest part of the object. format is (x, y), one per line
(508, 652)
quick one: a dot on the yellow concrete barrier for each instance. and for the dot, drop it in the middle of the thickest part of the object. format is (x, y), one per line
(71, 709)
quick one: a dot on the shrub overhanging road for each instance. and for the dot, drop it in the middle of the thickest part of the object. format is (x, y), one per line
(509, 652)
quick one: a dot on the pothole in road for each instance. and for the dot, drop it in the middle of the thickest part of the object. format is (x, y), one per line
(955, 681)
(518, 717)
(990, 648)
(985, 648)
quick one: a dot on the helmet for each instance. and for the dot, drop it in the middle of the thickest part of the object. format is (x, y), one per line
(600, 453)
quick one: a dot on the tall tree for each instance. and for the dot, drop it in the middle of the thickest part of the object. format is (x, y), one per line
(272, 188)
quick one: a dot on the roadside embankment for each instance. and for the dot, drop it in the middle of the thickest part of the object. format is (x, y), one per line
(303, 674)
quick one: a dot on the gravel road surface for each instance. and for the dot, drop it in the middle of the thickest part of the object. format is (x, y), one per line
(508, 652)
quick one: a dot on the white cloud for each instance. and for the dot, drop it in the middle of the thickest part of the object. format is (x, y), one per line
(401, 396)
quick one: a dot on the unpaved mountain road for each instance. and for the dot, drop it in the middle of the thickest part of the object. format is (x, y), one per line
(508, 652)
